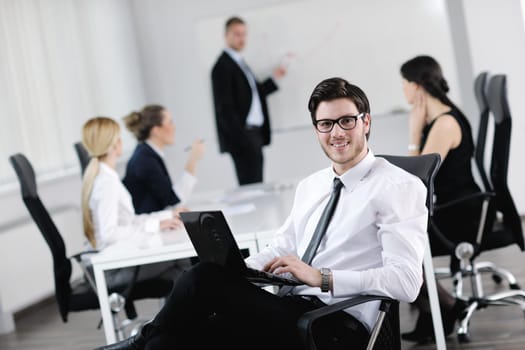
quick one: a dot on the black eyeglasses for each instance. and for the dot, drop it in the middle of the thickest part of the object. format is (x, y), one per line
(347, 122)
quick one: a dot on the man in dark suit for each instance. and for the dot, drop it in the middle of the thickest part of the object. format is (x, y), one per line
(241, 113)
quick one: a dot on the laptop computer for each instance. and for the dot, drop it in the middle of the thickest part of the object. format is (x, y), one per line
(213, 241)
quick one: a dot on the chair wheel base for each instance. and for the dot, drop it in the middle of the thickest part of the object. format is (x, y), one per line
(463, 338)
(496, 278)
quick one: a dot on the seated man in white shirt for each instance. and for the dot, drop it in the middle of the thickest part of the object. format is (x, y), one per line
(374, 244)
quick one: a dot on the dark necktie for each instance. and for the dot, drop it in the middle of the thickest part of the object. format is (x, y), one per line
(320, 229)
(322, 225)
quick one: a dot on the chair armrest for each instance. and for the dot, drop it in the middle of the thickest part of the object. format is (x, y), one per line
(306, 321)
(88, 272)
(78, 256)
(469, 197)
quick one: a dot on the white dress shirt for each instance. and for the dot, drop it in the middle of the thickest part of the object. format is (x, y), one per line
(114, 217)
(183, 186)
(376, 238)
(255, 115)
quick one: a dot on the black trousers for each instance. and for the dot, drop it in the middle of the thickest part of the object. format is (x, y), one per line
(249, 160)
(209, 305)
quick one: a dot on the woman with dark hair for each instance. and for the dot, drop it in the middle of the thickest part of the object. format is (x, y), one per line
(147, 177)
(436, 125)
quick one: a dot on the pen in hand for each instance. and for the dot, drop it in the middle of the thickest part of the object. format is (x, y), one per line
(188, 148)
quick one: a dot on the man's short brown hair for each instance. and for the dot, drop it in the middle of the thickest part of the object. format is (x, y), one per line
(233, 20)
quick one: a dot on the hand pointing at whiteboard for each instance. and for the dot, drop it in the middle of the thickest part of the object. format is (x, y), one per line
(282, 68)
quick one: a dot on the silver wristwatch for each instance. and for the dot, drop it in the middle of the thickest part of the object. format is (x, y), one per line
(325, 279)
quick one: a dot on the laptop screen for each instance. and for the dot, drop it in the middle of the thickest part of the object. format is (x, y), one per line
(212, 239)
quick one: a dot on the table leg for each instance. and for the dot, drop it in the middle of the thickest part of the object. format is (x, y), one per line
(103, 300)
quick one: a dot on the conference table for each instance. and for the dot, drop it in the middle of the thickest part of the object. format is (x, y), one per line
(254, 213)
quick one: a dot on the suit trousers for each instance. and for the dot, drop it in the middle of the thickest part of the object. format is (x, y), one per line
(249, 160)
(210, 305)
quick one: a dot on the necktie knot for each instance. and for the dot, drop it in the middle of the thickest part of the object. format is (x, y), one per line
(337, 185)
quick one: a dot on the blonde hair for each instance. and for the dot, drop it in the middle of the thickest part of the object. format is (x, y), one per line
(99, 134)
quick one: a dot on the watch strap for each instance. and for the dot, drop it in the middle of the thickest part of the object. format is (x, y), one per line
(325, 279)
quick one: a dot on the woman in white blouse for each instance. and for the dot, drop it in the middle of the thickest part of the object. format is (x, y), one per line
(107, 208)
(108, 214)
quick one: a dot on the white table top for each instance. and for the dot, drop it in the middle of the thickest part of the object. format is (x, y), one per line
(250, 210)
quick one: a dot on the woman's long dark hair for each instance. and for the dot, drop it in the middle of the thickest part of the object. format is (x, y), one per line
(426, 71)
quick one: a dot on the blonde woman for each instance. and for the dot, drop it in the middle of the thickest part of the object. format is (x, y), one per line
(108, 212)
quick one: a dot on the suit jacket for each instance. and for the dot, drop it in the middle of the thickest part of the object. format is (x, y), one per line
(232, 97)
(148, 181)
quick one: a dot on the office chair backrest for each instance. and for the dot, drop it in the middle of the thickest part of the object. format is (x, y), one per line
(480, 90)
(83, 156)
(503, 203)
(424, 166)
(61, 264)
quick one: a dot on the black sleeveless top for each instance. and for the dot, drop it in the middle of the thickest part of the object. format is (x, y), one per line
(453, 180)
(454, 177)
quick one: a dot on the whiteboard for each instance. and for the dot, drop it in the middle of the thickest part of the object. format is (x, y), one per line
(364, 42)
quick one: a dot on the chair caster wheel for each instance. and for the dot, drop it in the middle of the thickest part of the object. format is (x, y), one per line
(463, 338)
(515, 286)
(496, 278)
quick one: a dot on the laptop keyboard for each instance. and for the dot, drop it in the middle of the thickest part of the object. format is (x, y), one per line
(271, 278)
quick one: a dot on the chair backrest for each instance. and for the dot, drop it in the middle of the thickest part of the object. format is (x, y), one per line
(424, 167)
(480, 91)
(503, 204)
(83, 156)
(61, 264)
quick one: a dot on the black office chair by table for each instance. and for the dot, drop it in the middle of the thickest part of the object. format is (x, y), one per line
(499, 223)
(76, 295)
(480, 89)
(386, 332)
(83, 156)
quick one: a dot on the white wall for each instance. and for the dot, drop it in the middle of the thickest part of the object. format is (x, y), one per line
(496, 33)
(62, 62)
(176, 65)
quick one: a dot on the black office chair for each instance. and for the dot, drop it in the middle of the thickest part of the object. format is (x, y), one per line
(386, 331)
(83, 156)
(498, 274)
(500, 224)
(78, 295)
(480, 91)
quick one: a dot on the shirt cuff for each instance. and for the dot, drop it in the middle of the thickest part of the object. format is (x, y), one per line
(346, 283)
(164, 214)
(183, 187)
(152, 225)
